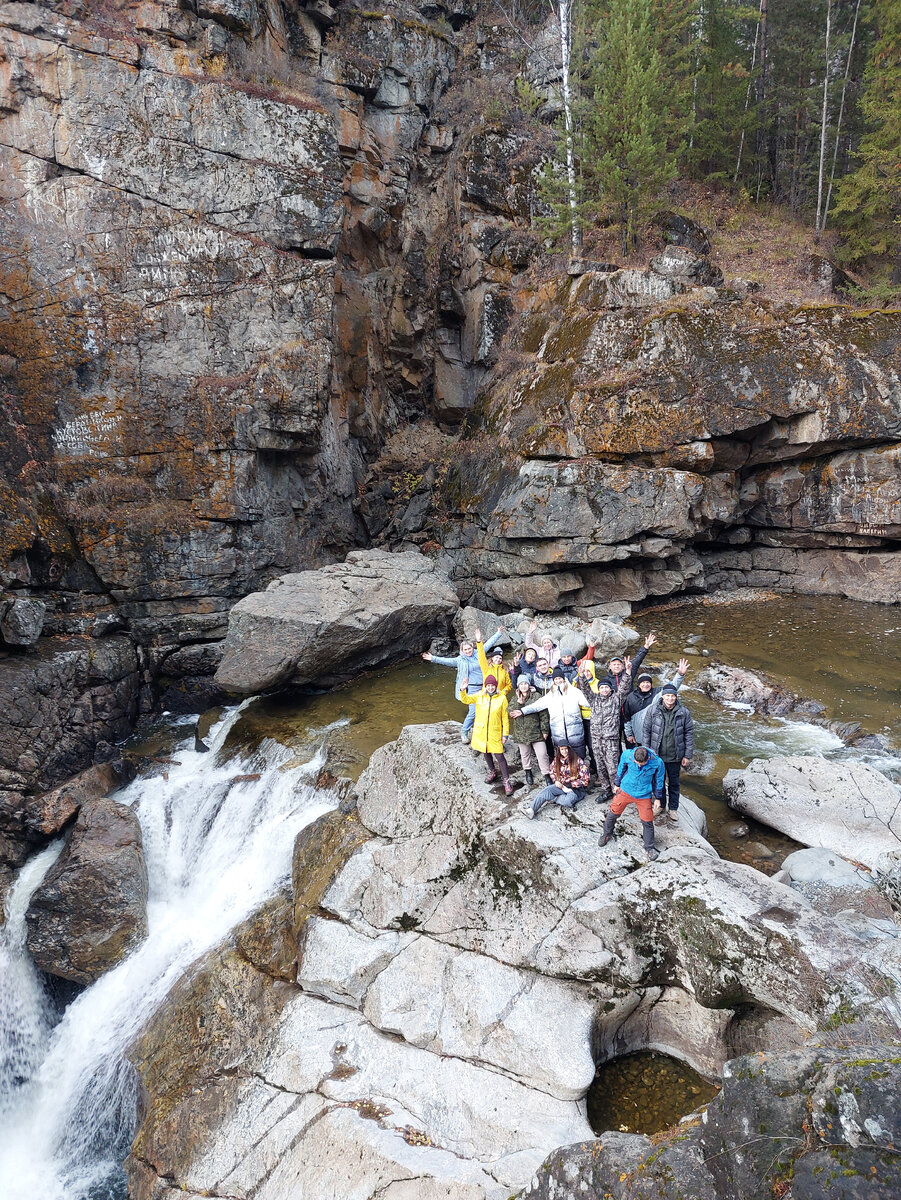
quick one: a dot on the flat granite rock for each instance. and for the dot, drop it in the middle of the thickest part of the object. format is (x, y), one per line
(326, 626)
(847, 807)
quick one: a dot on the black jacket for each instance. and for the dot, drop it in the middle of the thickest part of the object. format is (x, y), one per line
(652, 734)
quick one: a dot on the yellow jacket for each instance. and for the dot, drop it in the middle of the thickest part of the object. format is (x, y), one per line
(501, 674)
(582, 685)
(492, 723)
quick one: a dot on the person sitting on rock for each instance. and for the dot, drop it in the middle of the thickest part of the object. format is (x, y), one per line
(569, 779)
(548, 645)
(639, 781)
(467, 665)
(564, 706)
(496, 666)
(643, 695)
(670, 732)
(491, 728)
(529, 732)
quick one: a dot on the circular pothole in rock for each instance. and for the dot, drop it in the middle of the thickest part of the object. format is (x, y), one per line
(645, 1093)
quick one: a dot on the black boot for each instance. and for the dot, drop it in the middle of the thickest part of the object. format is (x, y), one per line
(530, 778)
(548, 781)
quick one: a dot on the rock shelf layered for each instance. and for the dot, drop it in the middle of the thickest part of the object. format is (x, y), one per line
(426, 1015)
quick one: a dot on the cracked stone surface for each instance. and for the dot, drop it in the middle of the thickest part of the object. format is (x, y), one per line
(459, 970)
(847, 807)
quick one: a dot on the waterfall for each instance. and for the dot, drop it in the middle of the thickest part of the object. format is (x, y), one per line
(215, 847)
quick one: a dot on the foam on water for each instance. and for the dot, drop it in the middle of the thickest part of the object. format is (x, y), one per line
(216, 847)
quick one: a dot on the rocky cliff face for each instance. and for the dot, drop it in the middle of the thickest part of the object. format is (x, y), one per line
(705, 438)
(242, 243)
(245, 242)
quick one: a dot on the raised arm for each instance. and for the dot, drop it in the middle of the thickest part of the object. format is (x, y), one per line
(467, 699)
(442, 662)
(537, 705)
(494, 639)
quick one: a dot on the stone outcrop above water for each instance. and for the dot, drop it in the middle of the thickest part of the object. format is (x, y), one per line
(448, 977)
(843, 806)
(326, 626)
(57, 705)
(91, 908)
(815, 1123)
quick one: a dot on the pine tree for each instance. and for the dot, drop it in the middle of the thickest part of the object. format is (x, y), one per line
(869, 199)
(629, 154)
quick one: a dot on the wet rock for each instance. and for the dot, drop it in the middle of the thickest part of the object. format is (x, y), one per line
(21, 621)
(329, 624)
(825, 1119)
(874, 742)
(737, 686)
(846, 807)
(47, 814)
(91, 908)
(737, 829)
(57, 705)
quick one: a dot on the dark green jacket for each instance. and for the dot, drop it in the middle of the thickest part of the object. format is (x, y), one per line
(530, 727)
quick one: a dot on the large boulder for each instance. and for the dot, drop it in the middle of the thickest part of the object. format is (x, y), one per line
(326, 626)
(843, 806)
(91, 909)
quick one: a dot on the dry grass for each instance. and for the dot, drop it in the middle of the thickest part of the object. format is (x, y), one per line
(761, 243)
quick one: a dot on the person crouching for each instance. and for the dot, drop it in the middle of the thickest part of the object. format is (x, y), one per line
(639, 781)
(569, 774)
(491, 729)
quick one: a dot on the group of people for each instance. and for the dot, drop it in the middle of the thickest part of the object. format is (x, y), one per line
(571, 722)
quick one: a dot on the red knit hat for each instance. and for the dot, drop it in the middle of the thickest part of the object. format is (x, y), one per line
(491, 679)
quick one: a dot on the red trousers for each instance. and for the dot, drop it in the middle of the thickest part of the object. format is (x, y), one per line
(621, 800)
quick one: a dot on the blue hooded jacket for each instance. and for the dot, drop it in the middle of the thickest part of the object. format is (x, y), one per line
(467, 666)
(641, 780)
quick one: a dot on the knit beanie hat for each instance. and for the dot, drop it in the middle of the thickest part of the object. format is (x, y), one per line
(558, 673)
(607, 683)
(669, 689)
(643, 677)
(491, 679)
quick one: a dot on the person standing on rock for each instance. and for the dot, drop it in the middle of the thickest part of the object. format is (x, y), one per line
(639, 781)
(491, 728)
(584, 680)
(670, 732)
(529, 732)
(467, 665)
(564, 707)
(605, 705)
(569, 779)
(643, 695)
(542, 676)
(524, 662)
(496, 666)
(568, 664)
(548, 646)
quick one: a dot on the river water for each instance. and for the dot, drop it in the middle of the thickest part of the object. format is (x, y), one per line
(216, 848)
